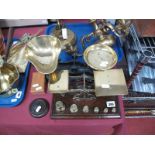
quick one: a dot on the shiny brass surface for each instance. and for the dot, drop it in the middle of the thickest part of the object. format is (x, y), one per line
(108, 40)
(100, 33)
(17, 52)
(86, 39)
(54, 77)
(107, 58)
(94, 23)
(17, 56)
(8, 76)
(69, 42)
(102, 29)
(110, 83)
(122, 27)
(61, 85)
(43, 52)
(100, 57)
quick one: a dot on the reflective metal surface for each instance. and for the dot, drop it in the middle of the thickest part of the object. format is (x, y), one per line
(108, 40)
(59, 84)
(17, 57)
(8, 76)
(60, 106)
(96, 109)
(43, 52)
(71, 37)
(122, 27)
(135, 49)
(103, 29)
(100, 57)
(74, 108)
(54, 77)
(66, 36)
(85, 109)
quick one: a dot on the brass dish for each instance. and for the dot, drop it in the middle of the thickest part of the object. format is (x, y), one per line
(17, 51)
(43, 52)
(8, 76)
(17, 57)
(100, 57)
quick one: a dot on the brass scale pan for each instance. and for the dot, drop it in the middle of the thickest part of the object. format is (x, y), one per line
(100, 57)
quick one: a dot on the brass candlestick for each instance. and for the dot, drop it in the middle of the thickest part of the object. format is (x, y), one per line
(99, 32)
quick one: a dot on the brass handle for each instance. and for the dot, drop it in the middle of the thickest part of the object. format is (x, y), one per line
(121, 29)
(59, 24)
(86, 38)
(111, 27)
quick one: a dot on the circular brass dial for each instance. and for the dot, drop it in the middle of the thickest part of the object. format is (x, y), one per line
(100, 57)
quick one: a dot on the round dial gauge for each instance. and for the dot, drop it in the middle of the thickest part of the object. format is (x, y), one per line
(100, 57)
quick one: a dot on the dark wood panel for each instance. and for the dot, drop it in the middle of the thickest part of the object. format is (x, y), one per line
(99, 102)
(145, 27)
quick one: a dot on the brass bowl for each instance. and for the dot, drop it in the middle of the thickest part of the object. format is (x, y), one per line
(43, 52)
(100, 57)
(8, 76)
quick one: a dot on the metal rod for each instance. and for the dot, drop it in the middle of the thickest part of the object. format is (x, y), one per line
(9, 42)
(135, 72)
(153, 41)
(147, 55)
(135, 37)
(138, 112)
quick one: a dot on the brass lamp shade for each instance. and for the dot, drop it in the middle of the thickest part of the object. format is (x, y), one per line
(43, 52)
